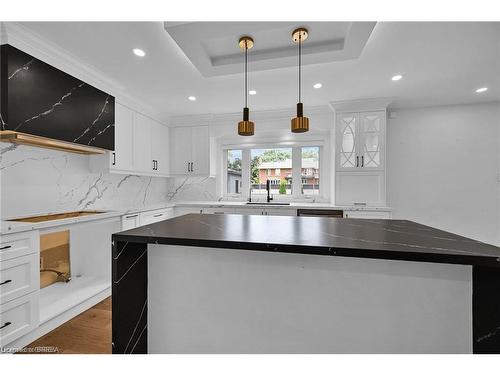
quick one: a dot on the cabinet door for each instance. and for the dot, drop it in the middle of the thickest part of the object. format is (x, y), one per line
(181, 150)
(160, 147)
(347, 125)
(200, 150)
(371, 131)
(142, 144)
(130, 221)
(122, 157)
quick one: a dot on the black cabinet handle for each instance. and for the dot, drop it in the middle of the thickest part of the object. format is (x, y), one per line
(5, 282)
(362, 160)
(157, 164)
(357, 161)
(5, 325)
(114, 158)
(192, 167)
(188, 167)
(5, 247)
(131, 216)
(158, 215)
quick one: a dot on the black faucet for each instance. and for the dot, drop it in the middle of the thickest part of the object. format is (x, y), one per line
(268, 188)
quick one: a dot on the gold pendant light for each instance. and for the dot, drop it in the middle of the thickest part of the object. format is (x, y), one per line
(246, 127)
(300, 124)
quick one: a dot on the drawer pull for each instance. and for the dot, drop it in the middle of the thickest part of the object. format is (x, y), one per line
(158, 215)
(6, 282)
(131, 216)
(5, 247)
(5, 325)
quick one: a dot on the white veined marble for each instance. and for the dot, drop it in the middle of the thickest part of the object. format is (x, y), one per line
(39, 181)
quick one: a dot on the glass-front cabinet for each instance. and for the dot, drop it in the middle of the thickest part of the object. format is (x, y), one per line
(360, 140)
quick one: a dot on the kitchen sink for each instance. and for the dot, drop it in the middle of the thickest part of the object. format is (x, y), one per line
(269, 203)
(64, 215)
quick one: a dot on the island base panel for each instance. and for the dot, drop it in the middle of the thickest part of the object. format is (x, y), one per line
(211, 300)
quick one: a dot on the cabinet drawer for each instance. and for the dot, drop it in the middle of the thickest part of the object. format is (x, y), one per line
(367, 215)
(18, 244)
(18, 276)
(18, 317)
(155, 216)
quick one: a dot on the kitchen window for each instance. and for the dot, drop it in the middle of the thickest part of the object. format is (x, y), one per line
(310, 170)
(264, 160)
(234, 172)
(249, 169)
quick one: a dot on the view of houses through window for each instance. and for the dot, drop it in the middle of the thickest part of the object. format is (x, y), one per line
(274, 165)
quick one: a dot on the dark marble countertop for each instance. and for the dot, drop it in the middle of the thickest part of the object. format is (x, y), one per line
(361, 238)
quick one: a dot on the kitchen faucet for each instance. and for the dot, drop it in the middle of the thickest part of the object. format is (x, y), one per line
(268, 188)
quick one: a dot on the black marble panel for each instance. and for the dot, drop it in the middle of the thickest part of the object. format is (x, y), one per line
(129, 298)
(40, 99)
(486, 310)
(360, 238)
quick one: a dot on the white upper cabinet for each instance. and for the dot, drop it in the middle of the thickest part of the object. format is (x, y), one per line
(160, 148)
(142, 146)
(360, 140)
(190, 150)
(122, 157)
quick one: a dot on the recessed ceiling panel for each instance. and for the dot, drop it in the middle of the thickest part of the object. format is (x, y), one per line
(213, 48)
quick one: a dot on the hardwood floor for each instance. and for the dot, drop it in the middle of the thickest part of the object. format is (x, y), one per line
(87, 333)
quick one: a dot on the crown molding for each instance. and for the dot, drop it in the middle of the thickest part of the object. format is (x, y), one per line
(21, 37)
(361, 105)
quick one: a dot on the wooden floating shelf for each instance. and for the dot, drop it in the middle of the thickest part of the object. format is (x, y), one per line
(54, 144)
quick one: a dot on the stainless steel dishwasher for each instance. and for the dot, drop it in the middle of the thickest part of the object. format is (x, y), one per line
(320, 212)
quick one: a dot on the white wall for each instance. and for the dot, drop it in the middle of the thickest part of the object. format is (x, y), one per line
(444, 168)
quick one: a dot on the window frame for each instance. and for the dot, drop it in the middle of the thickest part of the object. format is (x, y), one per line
(296, 169)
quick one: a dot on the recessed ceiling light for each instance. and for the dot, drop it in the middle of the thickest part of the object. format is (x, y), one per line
(252, 92)
(139, 52)
(397, 77)
(192, 98)
(482, 89)
(318, 85)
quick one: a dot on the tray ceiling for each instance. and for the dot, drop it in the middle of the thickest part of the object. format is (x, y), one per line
(212, 47)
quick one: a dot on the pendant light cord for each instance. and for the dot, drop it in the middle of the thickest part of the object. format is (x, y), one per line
(246, 75)
(300, 61)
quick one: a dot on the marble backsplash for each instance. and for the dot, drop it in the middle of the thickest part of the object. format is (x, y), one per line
(40, 181)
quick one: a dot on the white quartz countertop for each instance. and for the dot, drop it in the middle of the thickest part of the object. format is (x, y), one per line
(8, 227)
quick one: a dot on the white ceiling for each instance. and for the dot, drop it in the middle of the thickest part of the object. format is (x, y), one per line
(442, 63)
(213, 46)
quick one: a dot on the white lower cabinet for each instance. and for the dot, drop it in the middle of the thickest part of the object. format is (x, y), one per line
(18, 317)
(134, 220)
(150, 217)
(219, 210)
(19, 285)
(19, 276)
(367, 214)
(130, 221)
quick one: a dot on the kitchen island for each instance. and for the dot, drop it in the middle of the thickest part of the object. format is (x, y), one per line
(273, 284)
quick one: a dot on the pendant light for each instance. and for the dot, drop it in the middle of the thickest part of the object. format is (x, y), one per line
(246, 127)
(300, 124)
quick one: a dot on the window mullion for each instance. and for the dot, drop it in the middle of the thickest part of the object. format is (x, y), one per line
(296, 172)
